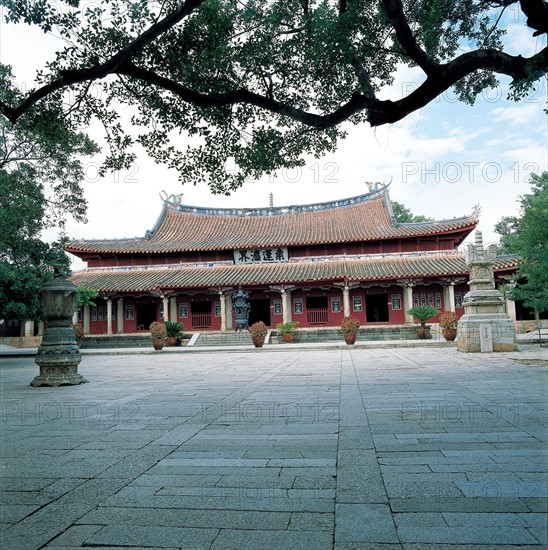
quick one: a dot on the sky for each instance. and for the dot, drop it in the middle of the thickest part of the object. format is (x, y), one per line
(441, 161)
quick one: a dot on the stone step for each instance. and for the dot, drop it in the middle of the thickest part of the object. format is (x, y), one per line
(211, 339)
(116, 341)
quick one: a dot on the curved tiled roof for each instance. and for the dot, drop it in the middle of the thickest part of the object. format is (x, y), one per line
(389, 267)
(183, 228)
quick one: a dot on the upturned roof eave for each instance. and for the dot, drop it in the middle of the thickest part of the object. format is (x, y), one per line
(73, 247)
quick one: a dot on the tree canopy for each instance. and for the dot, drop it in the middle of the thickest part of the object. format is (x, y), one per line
(40, 175)
(263, 83)
(404, 214)
(527, 236)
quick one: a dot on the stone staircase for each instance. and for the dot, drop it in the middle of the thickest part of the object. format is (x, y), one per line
(116, 341)
(218, 339)
(213, 339)
(333, 334)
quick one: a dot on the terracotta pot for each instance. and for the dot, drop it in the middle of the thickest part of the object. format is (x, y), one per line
(288, 337)
(449, 334)
(258, 341)
(423, 333)
(157, 344)
(171, 341)
(350, 337)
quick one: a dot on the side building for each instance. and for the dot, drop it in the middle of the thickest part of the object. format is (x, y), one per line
(310, 263)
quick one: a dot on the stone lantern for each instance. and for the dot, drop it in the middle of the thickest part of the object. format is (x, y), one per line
(484, 305)
(241, 309)
(58, 356)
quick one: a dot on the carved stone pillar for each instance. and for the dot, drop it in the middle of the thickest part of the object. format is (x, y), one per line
(228, 308)
(173, 309)
(87, 319)
(29, 328)
(451, 296)
(346, 300)
(511, 309)
(109, 316)
(120, 316)
(165, 302)
(222, 299)
(286, 305)
(408, 303)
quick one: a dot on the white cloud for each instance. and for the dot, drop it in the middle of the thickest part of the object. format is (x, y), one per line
(519, 114)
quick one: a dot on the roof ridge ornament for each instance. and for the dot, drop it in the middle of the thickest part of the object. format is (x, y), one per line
(174, 199)
(476, 211)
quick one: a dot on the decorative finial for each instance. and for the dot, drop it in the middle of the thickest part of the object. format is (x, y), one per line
(175, 199)
(476, 211)
(271, 200)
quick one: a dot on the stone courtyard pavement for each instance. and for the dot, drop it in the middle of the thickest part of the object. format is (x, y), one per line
(315, 449)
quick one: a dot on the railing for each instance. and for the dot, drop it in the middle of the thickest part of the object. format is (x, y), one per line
(317, 316)
(201, 320)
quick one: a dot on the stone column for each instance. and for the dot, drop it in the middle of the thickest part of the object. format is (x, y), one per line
(87, 319)
(511, 309)
(408, 303)
(165, 301)
(41, 328)
(346, 300)
(451, 296)
(222, 299)
(120, 316)
(173, 309)
(228, 309)
(74, 317)
(109, 316)
(29, 329)
(286, 306)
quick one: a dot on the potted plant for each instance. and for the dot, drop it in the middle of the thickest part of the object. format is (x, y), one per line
(287, 330)
(78, 333)
(350, 327)
(258, 333)
(448, 324)
(423, 313)
(158, 335)
(174, 332)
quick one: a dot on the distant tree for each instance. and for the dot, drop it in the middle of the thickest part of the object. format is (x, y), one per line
(85, 297)
(404, 214)
(527, 236)
(266, 82)
(40, 176)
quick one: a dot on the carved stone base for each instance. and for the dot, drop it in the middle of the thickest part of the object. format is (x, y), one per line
(66, 375)
(502, 330)
(58, 358)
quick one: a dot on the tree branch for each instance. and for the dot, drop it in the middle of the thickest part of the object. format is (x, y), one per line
(356, 103)
(379, 112)
(68, 78)
(394, 10)
(516, 67)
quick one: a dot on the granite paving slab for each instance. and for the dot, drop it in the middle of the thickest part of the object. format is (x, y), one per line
(339, 448)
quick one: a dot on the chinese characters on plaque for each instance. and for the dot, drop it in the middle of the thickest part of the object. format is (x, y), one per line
(261, 256)
(183, 311)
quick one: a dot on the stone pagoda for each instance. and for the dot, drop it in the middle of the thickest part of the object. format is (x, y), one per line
(485, 325)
